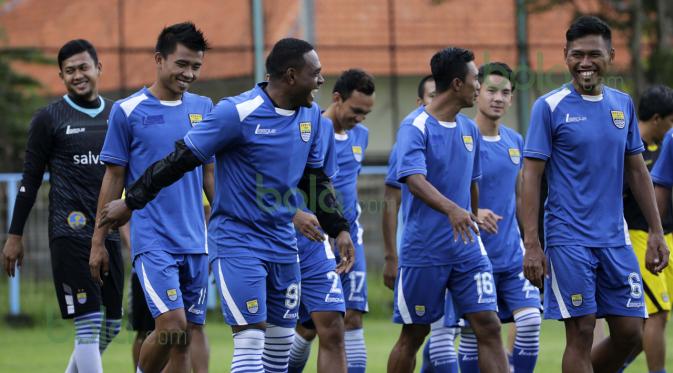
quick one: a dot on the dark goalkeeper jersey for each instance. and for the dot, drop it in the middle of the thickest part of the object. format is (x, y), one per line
(65, 139)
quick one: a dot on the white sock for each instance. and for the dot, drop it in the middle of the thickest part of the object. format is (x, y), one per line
(248, 347)
(277, 344)
(87, 354)
(111, 328)
(72, 364)
(442, 350)
(301, 349)
(356, 351)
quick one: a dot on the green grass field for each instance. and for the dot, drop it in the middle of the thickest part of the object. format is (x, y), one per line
(46, 347)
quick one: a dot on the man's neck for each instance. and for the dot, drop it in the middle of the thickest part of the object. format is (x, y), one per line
(163, 94)
(444, 108)
(89, 102)
(331, 114)
(278, 96)
(646, 133)
(594, 91)
(487, 126)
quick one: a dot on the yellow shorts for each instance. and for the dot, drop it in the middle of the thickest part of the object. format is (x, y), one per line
(657, 287)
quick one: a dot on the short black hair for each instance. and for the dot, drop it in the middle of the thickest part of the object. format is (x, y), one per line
(74, 47)
(286, 53)
(449, 64)
(421, 85)
(589, 25)
(354, 80)
(184, 33)
(657, 99)
(496, 68)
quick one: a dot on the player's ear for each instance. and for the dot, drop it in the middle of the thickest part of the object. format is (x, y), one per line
(99, 66)
(612, 54)
(336, 97)
(158, 58)
(457, 84)
(60, 74)
(290, 75)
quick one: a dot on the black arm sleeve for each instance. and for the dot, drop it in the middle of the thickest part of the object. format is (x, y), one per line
(160, 175)
(321, 199)
(38, 151)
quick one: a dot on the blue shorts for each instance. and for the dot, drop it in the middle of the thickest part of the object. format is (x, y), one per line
(420, 291)
(355, 281)
(255, 291)
(172, 281)
(514, 292)
(601, 281)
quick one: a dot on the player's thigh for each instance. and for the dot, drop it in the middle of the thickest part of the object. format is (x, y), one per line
(570, 286)
(472, 287)
(419, 296)
(194, 286)
(283, 293)
(619, 286)
(655, 286)
(242, 287)
(514, 292)
(113, 284)
(355, 281)
(140, 316)
(76, 291)
(321, 291)
(160, 279)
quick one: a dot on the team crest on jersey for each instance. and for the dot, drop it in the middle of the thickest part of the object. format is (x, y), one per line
(576, 299)
(305, 130)
(76, 220)
(618, 118)
(81, 296)
(172, 294)
(195, 118)
(469, 143)
(664, 297)
(420, 310)
(252, 305)
(357, 153)
(515, 155)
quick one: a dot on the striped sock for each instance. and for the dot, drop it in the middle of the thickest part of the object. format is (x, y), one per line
(527, 341)
(248, 347)
(356, 351)
(299, 353)
(111, 328)
(87, 331)
(468, 353)
(277, 345)
(441, 350)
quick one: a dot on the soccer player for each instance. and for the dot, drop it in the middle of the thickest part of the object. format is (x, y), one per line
(267, 144)
(352, 100)
(655, 114)
(586, 135)
(168, 245)
(500, 150)
(438, 163)
(66, 137)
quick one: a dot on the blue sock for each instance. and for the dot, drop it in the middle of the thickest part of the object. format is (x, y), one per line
(87, 334)
(111, 328)
(441, 351)
(356, 352)
(299, 353)
(527, 341)
(277, 345)
(248, 349)
(660, 371)
(468, 354)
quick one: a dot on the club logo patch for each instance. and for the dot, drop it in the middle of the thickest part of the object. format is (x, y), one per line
(305, 130)
(76, 220)
(252, 306)
(469, 143)
(81, 296)
(172, 294)
(515, 155)
(576, 299)
(664, 297)
(420, 310)
(618, 118)
(195, 118)
(357, 153)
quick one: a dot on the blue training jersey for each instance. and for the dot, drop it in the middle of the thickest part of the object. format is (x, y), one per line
(447, 153)
(142, 130)
(261, 152)
(584, 140)
(662, 172)
(500, 166)
(350, 151)
(311, 252)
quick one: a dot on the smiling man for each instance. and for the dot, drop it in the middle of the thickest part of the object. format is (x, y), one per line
(168, 244)
(586, 135)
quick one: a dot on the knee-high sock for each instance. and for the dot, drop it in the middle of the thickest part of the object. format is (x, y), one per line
(440, 348)
(277, 344)
(110, 329)
(86, 356)
(527, 341)
(248, 347)
(356, 351)
(299, 353)
(468, 353)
